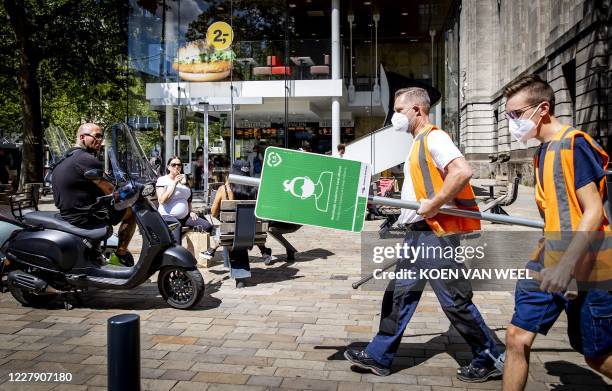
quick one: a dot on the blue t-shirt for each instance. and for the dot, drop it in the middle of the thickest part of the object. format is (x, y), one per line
(587, 163)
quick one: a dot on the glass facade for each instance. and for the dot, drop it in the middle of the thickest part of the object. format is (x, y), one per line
(274, 84)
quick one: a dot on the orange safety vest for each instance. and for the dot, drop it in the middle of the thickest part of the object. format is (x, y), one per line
(427, 181)
(559, 206)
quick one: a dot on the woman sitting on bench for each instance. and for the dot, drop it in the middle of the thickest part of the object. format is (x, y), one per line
(174, 196)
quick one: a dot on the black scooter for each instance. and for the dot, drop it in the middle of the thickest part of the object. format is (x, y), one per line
(46, 256)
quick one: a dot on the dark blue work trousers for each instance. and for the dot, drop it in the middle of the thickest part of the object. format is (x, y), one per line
(455, 296)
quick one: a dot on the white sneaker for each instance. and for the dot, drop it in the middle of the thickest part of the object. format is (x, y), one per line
(208, 254)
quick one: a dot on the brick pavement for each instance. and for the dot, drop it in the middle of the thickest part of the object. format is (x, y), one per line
(286, 331)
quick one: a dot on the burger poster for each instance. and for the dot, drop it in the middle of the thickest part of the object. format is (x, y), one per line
(207, 59)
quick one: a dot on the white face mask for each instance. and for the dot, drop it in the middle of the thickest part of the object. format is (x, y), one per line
(400, 122)
(523, 129)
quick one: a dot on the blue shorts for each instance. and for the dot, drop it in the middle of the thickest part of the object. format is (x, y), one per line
(589, 316)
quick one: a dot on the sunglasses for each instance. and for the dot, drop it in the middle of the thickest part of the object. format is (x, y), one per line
(518, 113)
(97, 136)
(175, 164)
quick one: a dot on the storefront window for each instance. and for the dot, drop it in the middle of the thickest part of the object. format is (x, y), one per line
(283, 45)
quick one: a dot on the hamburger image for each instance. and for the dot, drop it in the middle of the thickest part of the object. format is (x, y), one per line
(198, 61)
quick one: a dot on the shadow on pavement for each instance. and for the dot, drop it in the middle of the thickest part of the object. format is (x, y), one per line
(413, 354)
(143, 297)
(574, 377)
(283, 272)
(312, 254)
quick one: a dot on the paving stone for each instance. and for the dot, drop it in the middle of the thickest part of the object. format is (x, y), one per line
(309, 384)
(249, 360)
(434, 381)
(259, 370)
(268, 381)
(24, 355)
(235, 387)
(354, 386)
(190, 386)
(157, 384)
(301, 373)
(62, 358)
(303, 364)
(218, 377)
(180, 340)
(279, 353)
(178, 375)
(27, 386)
(222, 368)
(151, 373)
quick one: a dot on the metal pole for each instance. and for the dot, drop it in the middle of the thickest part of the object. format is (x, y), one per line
(205, 172)
(492, 217)
(232, 130)
(177, 151)
(169, 135)
(123, 360)
(335, 73)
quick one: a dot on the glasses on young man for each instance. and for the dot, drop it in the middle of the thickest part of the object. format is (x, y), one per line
(175, 164)
(518, 113)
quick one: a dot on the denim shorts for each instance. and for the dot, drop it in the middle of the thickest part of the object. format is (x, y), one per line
(589, 316)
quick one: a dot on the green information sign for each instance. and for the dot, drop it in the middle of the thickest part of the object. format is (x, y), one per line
(306, 188)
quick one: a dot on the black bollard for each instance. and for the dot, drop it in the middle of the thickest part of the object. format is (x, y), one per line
(123, 360)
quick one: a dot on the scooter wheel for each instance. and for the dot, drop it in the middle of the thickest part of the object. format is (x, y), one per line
(29, 299)
(180, 288)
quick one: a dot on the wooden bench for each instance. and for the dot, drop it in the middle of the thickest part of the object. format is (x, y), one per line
(239, 228)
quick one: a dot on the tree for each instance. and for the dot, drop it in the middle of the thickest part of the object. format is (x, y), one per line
(60, 47)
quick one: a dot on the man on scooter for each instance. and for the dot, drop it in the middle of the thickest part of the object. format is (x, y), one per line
(76, 196)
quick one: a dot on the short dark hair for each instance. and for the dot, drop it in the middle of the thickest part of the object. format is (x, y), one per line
(536, 89)
(341, 147)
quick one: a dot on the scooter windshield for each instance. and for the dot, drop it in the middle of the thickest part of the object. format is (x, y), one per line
(127, 159)
(58, 143)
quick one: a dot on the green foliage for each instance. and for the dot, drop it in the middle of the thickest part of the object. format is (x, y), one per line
(79, 47)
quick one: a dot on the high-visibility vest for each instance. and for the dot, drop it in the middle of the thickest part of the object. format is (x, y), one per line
(427, 181)
(559, 206)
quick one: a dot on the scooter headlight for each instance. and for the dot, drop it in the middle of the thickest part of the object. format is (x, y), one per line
(148, 190)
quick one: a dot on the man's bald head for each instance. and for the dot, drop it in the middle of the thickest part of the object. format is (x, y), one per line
(89, 136)
(88, 128)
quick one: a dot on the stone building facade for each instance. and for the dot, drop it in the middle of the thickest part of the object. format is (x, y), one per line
(566, 42)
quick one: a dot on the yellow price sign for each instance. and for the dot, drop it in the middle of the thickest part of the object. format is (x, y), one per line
(220, 35)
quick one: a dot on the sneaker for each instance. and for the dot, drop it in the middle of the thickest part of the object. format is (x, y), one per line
(240, 284)
(121, 260)
(268, 259)
(208, 254)
(361, 359)
(472, 374)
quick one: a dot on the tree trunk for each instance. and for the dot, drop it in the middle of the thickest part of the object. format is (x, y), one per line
(32, 148)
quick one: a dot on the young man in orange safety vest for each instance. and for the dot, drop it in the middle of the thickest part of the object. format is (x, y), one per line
(436, 174)
(570, 192)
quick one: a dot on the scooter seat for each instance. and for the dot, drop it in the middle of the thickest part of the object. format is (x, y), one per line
(53, 220)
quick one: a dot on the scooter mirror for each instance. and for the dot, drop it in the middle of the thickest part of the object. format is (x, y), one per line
(94, 174)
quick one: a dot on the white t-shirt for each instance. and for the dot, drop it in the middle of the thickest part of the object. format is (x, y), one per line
(443, 151)
(177, 205)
